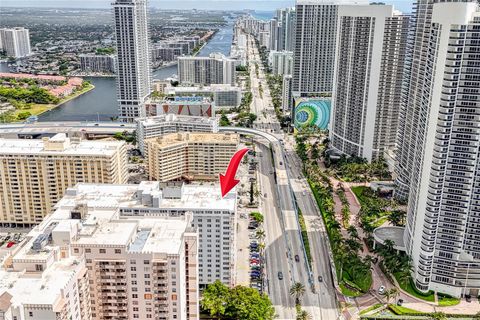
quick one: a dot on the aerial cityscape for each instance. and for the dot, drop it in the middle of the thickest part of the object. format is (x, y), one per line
(244, 160)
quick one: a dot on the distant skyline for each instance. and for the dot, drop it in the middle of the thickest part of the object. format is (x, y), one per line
(265, 5)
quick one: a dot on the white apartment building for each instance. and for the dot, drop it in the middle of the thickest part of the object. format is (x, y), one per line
(15, 42)
(281, 62)
(214, 217)
(286, 26)
(273, 29)
(264, 38)
(98, 63)
(133, 57)
(153, 127)
(40, 285)
(287, 98)
(214, 69)
(189, 155)
(442, 233)
(371, 49)
(36, 173)
(85, 261)
(315, 44)
(224, 95)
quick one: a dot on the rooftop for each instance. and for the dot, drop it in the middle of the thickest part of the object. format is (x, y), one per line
(43, 289)
(172, 118)
(58, 144)
(103, 200)
(194, 137)
(394, 234)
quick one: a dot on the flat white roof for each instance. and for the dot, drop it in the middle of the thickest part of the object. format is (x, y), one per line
(36, 147)
(43, 290)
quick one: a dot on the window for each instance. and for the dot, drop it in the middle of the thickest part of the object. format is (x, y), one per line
(102, 251)
(118, 251)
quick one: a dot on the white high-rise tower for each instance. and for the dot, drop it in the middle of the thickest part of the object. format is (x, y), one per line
(439, 149)
(371, 47)
(133, 58)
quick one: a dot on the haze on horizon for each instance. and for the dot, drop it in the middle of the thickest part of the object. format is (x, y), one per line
(265, 5)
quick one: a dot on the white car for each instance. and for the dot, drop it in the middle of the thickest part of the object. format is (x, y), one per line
(381, 290)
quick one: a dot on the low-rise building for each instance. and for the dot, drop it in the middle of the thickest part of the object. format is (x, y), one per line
(153, 127)
(224, 95)
(182, 105)
(36, 173)
(189, 156)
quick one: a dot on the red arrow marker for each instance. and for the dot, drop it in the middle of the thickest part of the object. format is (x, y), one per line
(228, 181)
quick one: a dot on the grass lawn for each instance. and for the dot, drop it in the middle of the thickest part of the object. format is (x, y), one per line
(34, 109)
(409, 287)
(399, 310)
(371, 308)
(348, 292)
(447, 301)
(358, 190)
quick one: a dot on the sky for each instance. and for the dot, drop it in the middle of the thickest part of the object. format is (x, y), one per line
(263, 5)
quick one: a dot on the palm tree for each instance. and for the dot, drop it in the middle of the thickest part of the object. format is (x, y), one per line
(303, 315)
(260, 234)
(353, 232)
(261, 246)
(297, 290)
(388, 296)
(394, 293)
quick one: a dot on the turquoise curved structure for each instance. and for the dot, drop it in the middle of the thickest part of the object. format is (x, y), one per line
(313, 112)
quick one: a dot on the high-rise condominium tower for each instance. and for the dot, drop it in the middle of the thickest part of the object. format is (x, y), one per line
(133, 57)
(214, 69)
(440, 146)
(315, 41)
(286, 26)
(15, 42)
(371, 48)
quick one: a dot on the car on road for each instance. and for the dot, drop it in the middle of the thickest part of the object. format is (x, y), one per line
(304, 193)
(280, 275)
(297, 258)
(265, 195)
(381, 290)
(320, 279)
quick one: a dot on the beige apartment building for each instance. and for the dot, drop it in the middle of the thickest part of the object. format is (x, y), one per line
(189, 155)
(87, 261)
(34, 174)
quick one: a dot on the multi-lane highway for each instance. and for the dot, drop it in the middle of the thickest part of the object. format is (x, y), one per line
(279, 188)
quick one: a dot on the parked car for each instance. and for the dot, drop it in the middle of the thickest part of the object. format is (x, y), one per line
(399, 302)
(468, 298)
(297, 258)
(320, 279)
(381, 290)
(280, 275)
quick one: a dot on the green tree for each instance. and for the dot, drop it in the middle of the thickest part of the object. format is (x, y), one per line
(23, 115)
(248, 304)
(303, 315)
(215, 299)
(224, 122)
(297, 290)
